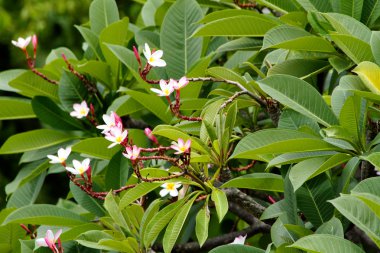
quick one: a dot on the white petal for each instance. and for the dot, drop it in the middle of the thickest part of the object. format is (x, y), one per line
(49, 236)
(147, 52)
(177, 185)
(56, 236)
(41, 242)
(77, 164)
(164, 192)
(174, 193)
(86, 163)
(72, 170)
(159, 92)
(159, 63)
(54, 159)
(157, 55)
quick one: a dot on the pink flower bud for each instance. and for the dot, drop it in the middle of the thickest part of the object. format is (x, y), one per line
(149, 134)
(137, 55)
(35, 44)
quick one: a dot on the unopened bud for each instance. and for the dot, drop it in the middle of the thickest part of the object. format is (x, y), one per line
(35, 44)
(149, 134)
(137, 55)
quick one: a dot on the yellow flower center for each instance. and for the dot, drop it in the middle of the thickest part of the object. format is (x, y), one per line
(170, 186)
(151, 59)
(183, 148)
(61, 159)
(119, 139)
(81, 170)
(82, 111)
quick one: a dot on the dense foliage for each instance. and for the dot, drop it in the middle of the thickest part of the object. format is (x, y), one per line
(199, 124)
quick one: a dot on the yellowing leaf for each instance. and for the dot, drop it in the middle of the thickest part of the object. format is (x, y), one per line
(369, 73)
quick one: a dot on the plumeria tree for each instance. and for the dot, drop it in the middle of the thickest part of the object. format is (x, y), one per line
(220, 126)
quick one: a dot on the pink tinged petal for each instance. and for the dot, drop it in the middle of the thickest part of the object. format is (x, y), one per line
(173, 193)
(57, 235)
(164, 192)
(49, 238)
(180, 142)
(41, 242)
(72, 170)
(86, 163)
(188, 144)
(77, 107)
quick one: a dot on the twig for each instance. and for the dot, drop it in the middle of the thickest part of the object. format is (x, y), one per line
(231, 99)
(245, 167)
(245, 5)
(245, 201)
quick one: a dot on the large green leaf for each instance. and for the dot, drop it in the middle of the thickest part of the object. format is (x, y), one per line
(312, 200)
(276, 141)
(176, 224)
(375, 45)
(7, 76)
(48, 112)
(232, 23)
(299, 96)
(236, 248)
(315, 5)
(325, 244)
(291, 119)
(15, 108)
(369, 185)
(301, 68)
(310, 168)
(137, 192)
(332, 227)
(124, 105)
(89, 203)
(119, 170)
(102, 14)
(360, 214)
(71, 90)
(371, 12)
(351, 8)
(96, 147)
(181, 51)
(30, 85)
(113, 210)
(289, 158)
(294, 38)
(221, 203)
(149, 214)
(357, 49)
(257, 181)
(32, 140)
(45, 214)
(92, 40)
(344, 24)
(202, 224)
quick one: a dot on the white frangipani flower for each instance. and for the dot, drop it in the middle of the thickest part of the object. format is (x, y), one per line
(116, 136)
(154, 59)
(181, 83)
(239, 240)
(62, 156)
(132, 153)
(112, 120)
(170, 188)
(49, 240)
(80, 110)
(181, 146)
(21, 42)
(166, 89)
(79, 167)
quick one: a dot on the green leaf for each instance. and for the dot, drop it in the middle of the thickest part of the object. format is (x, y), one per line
(236, 248)
(30, 85)
(36, 139)
(15, 108)
(375, 45)
(369, 185)
(113, 209)
(102, 14)
(227, 74)
(310, 168)
(360, 214)
(299, 96)
(124, 105)
(76, 231)
(301, 68)
(315, 5)
(289, 158)
(332, 227)
(257, 181)
(344, 24)
(7, 76)
(369, 73)
(221, 203)
(149, 214)
(353, 47)
(148, 11)
(45, 214)
(181, 51)
(276, 210)
(173, 133)
(326, 243)
(96, 147)
(202, 223)
(119, 170)
(232, 23)
(152, 103)
(87, 202)
(71, 90)
(276, 141)
(351, 8)
(92, 40)
(295, 38)
(49, 113)
(176, 224)
(160, 220)
(347, 175)
(240, 44)
(97, 69)
(312, 200)
(371, 12)
(290, 119)
(137, 192)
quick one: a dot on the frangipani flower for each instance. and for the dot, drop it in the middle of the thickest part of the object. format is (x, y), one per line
(166, 89)
(181, 83)
(170, 188)
(112, 120)
(49, 240)
(21, 42)
(181, 146)
(116, 135)
(79, 167)
(62, 156)
(80, 110)
(132, 153)
(154, 59)
(239, 240)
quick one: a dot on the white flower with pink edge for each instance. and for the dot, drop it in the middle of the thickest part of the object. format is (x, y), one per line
(80, 110)
(132, 153)
(21, 42)
(181, 146)
(166, 89)
(181, 83)
(62, 153)
(116, 136)
(79, 167)
(112, 120)
(49, 240)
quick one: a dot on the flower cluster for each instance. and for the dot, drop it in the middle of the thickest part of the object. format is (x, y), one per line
(50, 240)
(113, 129)
(79, 168)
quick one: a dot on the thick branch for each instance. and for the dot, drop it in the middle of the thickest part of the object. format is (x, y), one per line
(236, 196)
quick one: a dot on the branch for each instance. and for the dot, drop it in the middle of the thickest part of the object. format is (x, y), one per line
(247, 202)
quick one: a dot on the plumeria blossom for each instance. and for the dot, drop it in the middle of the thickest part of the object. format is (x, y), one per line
(166, 89)
(170, 188)
(62, 156)
(112, 120)
(116, 136)
(239, 240)
(80, 110)
(154, 59)
(181, 146)
(49, 240)
(22, 43)
(132, 153)
(79, 167)
(181, 83)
